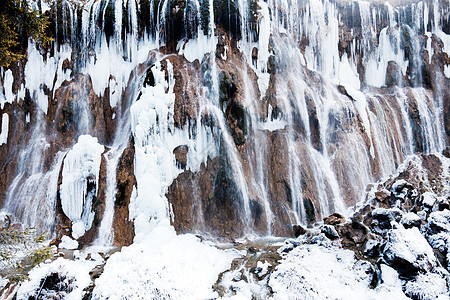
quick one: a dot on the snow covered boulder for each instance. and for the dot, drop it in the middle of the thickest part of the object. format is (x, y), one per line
(330, 232)
(410, 220)
(427, 286)
(317, 272)
(438, 235)
(407, 251)
(382, 218)
(438, 221)
(402, 189)
(428, 200)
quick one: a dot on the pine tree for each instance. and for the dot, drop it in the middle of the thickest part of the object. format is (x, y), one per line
(18, 22)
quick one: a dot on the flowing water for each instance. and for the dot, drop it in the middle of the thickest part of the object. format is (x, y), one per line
(319, 122)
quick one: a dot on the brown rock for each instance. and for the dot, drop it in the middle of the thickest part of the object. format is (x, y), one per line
(298, 230)
(67, 64)
(180, 153)
(382, 196)
(353, 234)
(433, 165)
(393, 74)
(334, 219)
(123, 227)
(446, 152)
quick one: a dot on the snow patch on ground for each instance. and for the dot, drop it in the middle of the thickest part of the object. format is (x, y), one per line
(163, 266)
(68, 243)
(317, 272)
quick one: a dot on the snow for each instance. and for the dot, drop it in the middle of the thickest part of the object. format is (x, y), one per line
(35, 80)
(262, 268)
(428, 199)
(316, 272)
(440, 220)
(427, 287)
(68, 243)
(389, 276)
(5, 129)
(76, 275)
(78, 229)
(81, 166)
(409, 245)
(410, 218)
(447, 71)
(163, 265)
(347, 73)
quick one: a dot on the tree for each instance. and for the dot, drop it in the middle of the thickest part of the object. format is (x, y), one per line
(18, 22)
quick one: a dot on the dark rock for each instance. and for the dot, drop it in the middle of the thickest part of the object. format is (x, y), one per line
(372, 248)
(334, 219)
(310, 210)
(226, 15)
(353, 234)
(298, 230)
(343, 91)
(180, 153)
(393, 74)
(443, 204)
(330, 232)
(255, 56)
(382, 196)
(56, 285)
(433, 165)
(446, 151)
(67, 64)
(222, 45)
(314, 124)
(446, 102)
(271, 65)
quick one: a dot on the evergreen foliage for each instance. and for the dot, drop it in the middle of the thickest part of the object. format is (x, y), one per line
(18, 22)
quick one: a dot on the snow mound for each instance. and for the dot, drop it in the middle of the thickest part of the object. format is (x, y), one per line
(163, 266)
(316, 272)
(68, 243)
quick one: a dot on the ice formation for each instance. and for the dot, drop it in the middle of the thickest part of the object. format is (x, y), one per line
(79, 185)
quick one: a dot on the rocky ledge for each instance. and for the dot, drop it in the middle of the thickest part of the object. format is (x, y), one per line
(395, 244)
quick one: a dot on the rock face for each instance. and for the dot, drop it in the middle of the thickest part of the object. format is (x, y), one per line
(122, 225)
(293, 128)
